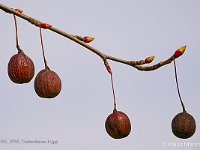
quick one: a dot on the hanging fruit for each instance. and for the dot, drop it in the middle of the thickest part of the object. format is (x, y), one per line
(183, 124)
(20, 67)
(47, 83)
(117, 124)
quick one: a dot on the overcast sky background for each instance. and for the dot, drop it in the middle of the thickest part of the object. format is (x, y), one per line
(131, 30)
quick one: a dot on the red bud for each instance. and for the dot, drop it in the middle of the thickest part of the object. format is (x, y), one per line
(88, 39)
(179, 52)
(45, 25)
(19, 10)
(108, 67)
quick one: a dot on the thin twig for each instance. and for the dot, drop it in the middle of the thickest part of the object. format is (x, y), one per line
(135, 64)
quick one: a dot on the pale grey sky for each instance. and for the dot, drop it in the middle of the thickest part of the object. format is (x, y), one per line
(127, 29)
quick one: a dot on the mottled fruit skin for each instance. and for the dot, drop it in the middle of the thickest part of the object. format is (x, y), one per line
(118, 125)
(47, 84)
(183, 125)
(20, 68)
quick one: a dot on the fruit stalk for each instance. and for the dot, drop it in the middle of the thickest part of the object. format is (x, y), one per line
(112, 83)
(177, 85)
(113, 91)
(16, 31)
(45, 62)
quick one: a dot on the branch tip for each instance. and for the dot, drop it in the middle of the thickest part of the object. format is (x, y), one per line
(179, 52)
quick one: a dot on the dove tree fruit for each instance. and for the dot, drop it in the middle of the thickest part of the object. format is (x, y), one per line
(118, 125)
(20, 68)
(47, 84)
(183, 125)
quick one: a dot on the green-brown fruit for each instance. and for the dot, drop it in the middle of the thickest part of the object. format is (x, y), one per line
(47, 84)
(118, 125)
(183, 125)
(20, 68)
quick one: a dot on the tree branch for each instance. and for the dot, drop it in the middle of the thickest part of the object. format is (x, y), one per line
(135, 64)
